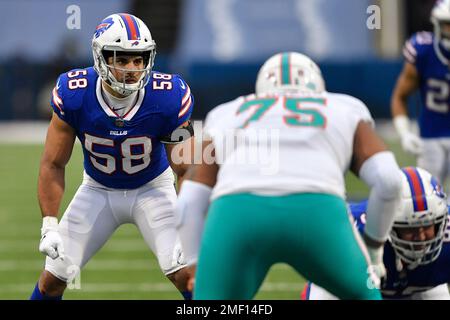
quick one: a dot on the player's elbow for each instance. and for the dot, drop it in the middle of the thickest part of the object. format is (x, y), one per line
(382, 173)
(179, 169)
(389, 184)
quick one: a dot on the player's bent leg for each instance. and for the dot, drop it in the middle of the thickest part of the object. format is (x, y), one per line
(236, 249)
(330, 251)
(50, 285)
(180, 279)
(154, 216)
(85, 226)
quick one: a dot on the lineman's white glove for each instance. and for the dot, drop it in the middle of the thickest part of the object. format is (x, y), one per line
(377, 267)
(410, 142)
(51, 242)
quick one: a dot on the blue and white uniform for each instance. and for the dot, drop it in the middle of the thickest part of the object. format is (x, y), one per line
(127, 175)
(432, 66)
(122, 152)
(423, 282)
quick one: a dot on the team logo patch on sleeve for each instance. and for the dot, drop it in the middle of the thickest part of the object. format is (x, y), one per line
(186, 102)
(57, 101)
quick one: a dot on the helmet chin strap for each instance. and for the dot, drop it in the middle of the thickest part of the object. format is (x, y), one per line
(118, 90)
(440, 41)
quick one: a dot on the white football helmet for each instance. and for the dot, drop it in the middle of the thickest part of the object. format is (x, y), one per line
(424, 203)
(122, 33)
(441, 14)
(289, 72)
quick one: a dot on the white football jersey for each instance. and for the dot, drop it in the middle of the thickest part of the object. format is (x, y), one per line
(276, 145)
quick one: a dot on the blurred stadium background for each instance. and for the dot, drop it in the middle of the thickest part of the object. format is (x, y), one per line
(217, 46)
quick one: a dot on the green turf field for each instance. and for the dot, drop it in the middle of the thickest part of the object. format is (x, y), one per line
(124, 268)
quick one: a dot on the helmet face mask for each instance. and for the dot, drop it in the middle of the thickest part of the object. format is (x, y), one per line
(121, 85)
(420, 223)
(442, 33)
(420, 252)
(289, 72)
(118, 35)
(440, 17)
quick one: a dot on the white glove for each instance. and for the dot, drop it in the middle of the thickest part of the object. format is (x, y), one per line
(377, 267)
(51, 242)
(410, 141)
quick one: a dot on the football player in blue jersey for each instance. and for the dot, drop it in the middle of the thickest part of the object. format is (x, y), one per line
(128, 119)
(427, 68)
(417, 255)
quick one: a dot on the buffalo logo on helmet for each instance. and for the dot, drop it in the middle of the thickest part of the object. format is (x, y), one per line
(437, 188)
(103, 26)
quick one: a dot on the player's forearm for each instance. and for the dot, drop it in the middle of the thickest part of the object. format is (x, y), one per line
(399, 105)
(382, 174)
(406, 85)
(50, 189)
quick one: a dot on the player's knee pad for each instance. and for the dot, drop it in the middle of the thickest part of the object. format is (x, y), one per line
(382, 173)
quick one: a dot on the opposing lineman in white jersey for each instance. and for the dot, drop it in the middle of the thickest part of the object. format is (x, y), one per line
(258, 217)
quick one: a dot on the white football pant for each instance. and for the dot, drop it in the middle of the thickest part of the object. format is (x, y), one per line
(96, 212)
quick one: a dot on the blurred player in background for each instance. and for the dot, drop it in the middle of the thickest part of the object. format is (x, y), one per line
(257, 219)
(417, 255)
(127, 118)
(427, 68)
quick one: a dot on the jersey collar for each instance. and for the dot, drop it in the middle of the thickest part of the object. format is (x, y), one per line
(130, 114)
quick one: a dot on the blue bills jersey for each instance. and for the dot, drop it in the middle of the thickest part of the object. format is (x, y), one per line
(406, 282)
(434, 80)
(122, 152)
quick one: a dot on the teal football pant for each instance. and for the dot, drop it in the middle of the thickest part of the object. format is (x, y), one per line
(246, 234)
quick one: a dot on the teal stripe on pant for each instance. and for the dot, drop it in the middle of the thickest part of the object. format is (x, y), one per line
(246, 234)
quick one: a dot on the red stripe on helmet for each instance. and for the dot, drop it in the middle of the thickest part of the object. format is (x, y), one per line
(416, 189)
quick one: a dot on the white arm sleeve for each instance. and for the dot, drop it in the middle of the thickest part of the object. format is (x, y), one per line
(383, 176)
(191, 208)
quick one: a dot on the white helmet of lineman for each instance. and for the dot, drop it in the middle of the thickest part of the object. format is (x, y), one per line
(289, 72)
(122, 33)
(440, 14)
(424, 203)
